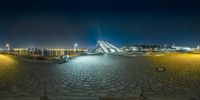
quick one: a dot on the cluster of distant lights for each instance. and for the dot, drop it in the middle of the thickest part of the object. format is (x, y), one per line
(57, 49)
(8, 47)
(49, 49)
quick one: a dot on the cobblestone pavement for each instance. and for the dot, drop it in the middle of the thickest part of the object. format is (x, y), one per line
(102, 76)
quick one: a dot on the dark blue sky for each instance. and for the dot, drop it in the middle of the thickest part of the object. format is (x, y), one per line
(60, 23)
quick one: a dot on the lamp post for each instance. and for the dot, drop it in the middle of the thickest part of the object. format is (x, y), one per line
(7, 45)
(75, 45)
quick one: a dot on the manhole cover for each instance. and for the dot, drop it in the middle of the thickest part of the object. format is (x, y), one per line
(160, 69)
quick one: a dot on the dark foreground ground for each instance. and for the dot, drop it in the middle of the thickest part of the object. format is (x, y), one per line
(102, 77)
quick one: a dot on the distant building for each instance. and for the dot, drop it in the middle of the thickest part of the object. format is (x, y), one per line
(125, 49)
(134, 48)
(142, 48)
(53, 52)
(27, 51)
(60, 52)
(182, 48)
(198, 48)
(20, 51)
(174, 48)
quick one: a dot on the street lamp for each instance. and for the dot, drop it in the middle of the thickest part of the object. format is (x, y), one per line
(75, 45)
(7, 45)
(198, 47)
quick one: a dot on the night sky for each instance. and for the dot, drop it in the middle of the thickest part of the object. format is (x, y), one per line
(61, 23)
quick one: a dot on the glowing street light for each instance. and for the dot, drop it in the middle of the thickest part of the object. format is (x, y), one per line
(198, 48)
(75, 46)
(7, 45)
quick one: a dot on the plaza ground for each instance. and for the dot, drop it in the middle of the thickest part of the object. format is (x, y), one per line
(106, 77)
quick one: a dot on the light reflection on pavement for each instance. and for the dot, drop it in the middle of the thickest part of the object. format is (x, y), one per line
(102, 75)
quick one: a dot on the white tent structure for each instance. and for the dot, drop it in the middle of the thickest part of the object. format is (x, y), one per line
(107, 47)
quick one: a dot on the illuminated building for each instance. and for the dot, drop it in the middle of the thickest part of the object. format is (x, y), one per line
(20, 51)
(60, 52)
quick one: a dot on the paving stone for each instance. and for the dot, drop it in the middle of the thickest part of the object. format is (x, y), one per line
(102, 76)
